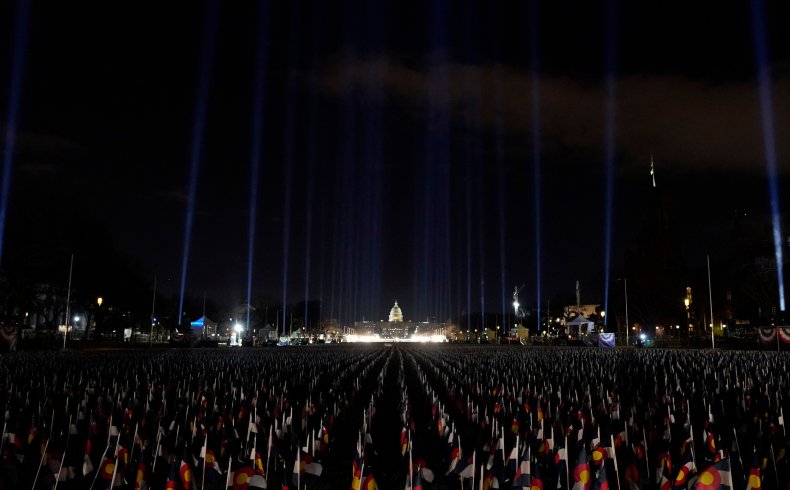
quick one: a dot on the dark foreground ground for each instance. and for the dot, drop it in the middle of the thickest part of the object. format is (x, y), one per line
(631, 416)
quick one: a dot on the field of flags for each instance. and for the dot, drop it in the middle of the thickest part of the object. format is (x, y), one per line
(395, 417)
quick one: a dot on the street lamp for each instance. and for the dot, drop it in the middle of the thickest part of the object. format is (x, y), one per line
(687, 304)
(99, 301)
(625, 291)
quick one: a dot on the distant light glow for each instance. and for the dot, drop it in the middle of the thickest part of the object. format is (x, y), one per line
(610, 114)
(534, 23)
(417, 338)
(767, 113)
(14, 98)
(256, 149)
(238, 328)
(196, 149)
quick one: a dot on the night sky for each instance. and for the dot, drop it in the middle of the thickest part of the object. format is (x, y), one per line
(397, 142)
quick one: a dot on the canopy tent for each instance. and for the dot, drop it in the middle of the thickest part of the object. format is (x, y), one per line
(203, 326)
(580, 326)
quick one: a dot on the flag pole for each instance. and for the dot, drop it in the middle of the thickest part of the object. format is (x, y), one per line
(614, 459)
(298, 466)
(691, 433)
(710, 300)
(68, 301)
(101, 461)
(411, 464)
(567, 469)
(204, 451)
(269, 449)
(474, 453)
(647, 461)
(230, 465)
(68, 436)
(46, 444)
(153, 316)
(461, 452)
(114, 470)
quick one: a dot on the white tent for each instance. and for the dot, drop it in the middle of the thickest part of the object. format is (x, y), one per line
(580, 326)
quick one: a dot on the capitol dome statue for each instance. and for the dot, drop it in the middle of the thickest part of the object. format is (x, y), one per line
(395, 314)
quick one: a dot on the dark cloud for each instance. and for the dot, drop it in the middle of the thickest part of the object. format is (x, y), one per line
(685, 122)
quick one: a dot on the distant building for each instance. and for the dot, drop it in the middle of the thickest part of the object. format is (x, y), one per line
(396, 327)
(396, 315)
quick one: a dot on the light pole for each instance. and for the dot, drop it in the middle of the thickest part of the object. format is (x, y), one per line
(687, 303)
(99, 302)
(153, 317)
(625, 288)
(68, 301)
(627, 325)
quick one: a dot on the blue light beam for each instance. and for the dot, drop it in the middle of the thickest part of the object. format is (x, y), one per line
(198, 130)
(769, 142)
(14, 97)
(536, 150)
(261, 59)
(610, 113)
(290, 137)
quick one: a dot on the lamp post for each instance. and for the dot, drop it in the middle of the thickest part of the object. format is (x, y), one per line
(153, 317)
(687, 303)
(99, 302)
(68, 302)
(625, 288)
(515, 312)
(627, 325)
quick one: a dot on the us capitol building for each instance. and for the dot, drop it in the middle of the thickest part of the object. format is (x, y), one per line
(395, 327)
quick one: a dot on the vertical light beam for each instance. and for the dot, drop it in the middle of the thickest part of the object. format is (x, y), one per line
(14, 96)
(198, 130)
(261, 58)
(290, 134)
(536, 174)
(766, 111)
(499, 149)
(609, 149)
(312, 144)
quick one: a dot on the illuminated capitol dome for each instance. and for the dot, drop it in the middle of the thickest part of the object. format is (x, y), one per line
(396, 329)
(395, 314)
